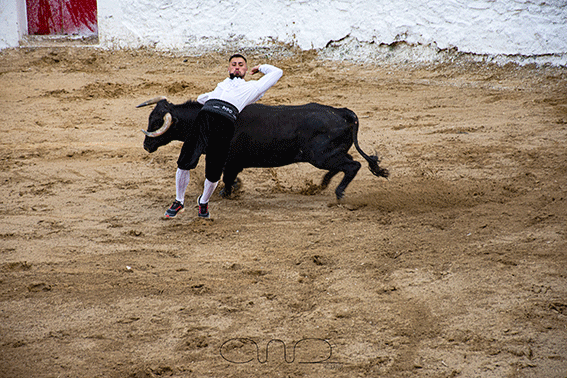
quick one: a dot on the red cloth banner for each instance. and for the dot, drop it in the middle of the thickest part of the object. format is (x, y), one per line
(62, 17)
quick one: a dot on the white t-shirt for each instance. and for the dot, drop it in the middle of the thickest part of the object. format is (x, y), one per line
(240, 92)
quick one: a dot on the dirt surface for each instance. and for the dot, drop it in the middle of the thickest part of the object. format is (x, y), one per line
(454, 267)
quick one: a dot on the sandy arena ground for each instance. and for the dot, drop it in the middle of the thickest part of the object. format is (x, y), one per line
(454, 267)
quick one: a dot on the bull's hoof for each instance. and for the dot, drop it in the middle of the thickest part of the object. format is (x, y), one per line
(225, 193)
(228, 190)
(236, 185)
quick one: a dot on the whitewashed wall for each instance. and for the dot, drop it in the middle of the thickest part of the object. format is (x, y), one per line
(526, 27)
(13, 22)
(489, 27)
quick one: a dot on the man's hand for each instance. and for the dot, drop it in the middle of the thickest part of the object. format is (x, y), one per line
(255, 70)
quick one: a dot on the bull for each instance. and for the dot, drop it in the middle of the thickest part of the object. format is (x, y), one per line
(272, 136)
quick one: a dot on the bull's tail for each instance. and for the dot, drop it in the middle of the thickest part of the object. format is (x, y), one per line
(373, 161)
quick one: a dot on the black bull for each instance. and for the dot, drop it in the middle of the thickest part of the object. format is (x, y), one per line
(272, 136)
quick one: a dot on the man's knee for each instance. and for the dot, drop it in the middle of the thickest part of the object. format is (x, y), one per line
(188, 161)
(187, 165)
(213, 176)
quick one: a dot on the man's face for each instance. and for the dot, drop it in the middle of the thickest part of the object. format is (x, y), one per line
(237, 67)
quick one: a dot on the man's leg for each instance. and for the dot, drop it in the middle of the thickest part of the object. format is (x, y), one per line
(208, 190)
(203, 200)
(182, 178)
(188, 159)
(221, 131)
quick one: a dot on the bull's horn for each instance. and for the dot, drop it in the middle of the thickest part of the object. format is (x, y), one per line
(152, 101)
(167, 120)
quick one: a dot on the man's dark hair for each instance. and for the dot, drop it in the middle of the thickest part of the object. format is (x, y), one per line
(237, 56)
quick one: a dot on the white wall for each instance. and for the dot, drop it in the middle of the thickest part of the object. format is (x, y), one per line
(524, 27)
(13, 22)
(491, 27)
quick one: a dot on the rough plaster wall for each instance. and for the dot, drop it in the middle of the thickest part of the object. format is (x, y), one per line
(351, 28)
(12, 22)
(482, 27)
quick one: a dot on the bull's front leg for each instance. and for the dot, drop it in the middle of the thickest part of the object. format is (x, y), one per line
(350, 170)
(231, 183)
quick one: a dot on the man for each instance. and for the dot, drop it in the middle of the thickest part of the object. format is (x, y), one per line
(215, 123)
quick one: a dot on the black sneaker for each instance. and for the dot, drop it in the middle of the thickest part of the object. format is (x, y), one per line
(203, 209)
(177, 207)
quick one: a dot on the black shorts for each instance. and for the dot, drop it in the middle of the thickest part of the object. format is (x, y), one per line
(213, 140)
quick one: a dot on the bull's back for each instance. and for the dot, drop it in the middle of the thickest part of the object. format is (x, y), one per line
(288, 121)
(266, 136)
(271, 136)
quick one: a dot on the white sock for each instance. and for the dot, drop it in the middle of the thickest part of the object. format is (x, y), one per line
(208, 191)
(182, 178)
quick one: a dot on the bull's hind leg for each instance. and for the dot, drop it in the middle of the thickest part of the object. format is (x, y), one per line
(327, 179)
(340, 162)
(350, 168)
